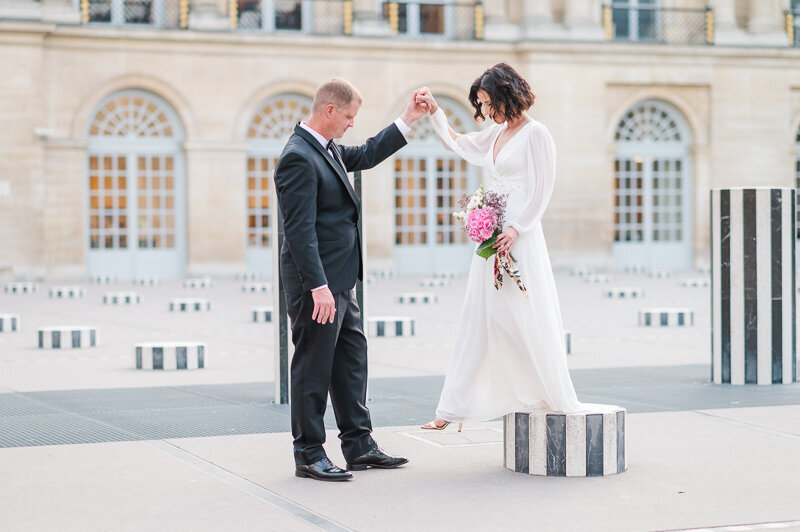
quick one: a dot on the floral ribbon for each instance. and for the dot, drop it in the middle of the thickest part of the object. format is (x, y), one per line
(502, 262)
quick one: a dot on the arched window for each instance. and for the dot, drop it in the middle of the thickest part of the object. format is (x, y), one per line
(136, 194)
(429, 181)
(270, 128)
(652, 188)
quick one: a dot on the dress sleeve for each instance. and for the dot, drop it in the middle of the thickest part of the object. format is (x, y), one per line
(541, 168)
(472, 147)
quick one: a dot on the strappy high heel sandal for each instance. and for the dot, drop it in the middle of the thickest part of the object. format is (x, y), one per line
(431, 425)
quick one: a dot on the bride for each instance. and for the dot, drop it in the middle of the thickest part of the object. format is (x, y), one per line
(509, 353)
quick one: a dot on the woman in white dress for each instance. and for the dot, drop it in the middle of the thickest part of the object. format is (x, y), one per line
(509, 353)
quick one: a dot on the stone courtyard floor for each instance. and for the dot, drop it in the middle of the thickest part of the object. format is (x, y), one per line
(88, 443)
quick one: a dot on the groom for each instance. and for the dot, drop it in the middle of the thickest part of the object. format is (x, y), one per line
(319, 263)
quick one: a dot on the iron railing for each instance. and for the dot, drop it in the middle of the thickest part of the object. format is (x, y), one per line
(637, 23)
(141, 13)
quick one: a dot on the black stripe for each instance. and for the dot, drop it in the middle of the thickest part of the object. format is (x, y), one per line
(713, 287)
(594, 445)
(680, 318)
(76, 338)
(1, 324)
(776, 249)
(750, 286)
(92, 338)
(139, 357)
(201, 357)
(398, 328)
(158, 358)
(556, 445)
(380, 329)
(180, 357)
(521, 442)
(664, 319)
(620, 442)
(56, 341)
(725, 282)
(41, 339)
(13, 324)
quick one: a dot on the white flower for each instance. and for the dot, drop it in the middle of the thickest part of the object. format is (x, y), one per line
(460, 215)
(474, 202)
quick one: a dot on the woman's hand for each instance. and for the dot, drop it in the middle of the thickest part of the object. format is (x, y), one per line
(506, 239)
(425, 96)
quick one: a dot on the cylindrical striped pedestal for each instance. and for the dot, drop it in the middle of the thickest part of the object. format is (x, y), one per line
(66, 292)
(103, 279)
(385, 327)
(170, 355)
(598, 278)
(695, 283)
(189, 304)
(581, 271)
(666, 317)
(434, 282)
(262, 314)
(20, 287)
(67, 337)
(416, 297)
(444, 274)
(753, 331)
(553, 444)
(659, 274)
(147, 281)
(204, 282)
(9, 322)
(121, 298)
(624, 293)
(254, 287)
(247, 276)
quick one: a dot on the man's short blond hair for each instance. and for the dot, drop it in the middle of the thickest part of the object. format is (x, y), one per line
(339, 92)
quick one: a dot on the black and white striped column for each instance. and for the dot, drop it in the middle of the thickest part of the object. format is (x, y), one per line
(170, 355)
(554, 444)
(202, 282)
(416, 297)
(435, 282)
(624, 293)
(121, 298)
(67, 337)
(386, 327)
(147, 281)
(21, 287)
(753, 331)
(666, 317)
(9, 322)
(254, 287)
(263, 314)
(189, 304)
(66, 292)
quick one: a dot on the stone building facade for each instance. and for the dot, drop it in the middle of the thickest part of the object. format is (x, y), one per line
(138, 136)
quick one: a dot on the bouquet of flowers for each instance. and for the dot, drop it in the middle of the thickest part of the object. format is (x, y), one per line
(483, 217)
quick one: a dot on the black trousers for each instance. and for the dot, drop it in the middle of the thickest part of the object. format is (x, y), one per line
(329, 357)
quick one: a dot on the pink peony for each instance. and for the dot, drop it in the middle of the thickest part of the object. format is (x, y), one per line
(481, 224)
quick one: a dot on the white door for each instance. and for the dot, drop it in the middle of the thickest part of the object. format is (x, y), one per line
(136, 217)
(652, 189)
(429, 181)
(271, 126)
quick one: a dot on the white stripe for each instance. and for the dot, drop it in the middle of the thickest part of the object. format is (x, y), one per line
(511, 442)
(764, 284)
(537, 443)
(576, 445)
(737, 288)
(787, 252)
(716, 295)
(610, 443)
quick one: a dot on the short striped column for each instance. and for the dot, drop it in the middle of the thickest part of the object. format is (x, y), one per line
(434, 282)
(666, 317)
(262, 314)
(203, 282)
(659, 274)
(389, 327)
(382, 273)
(581, 271)
(635, 268)
(147, 281)
(417, 297)
(122, 298)
(170, 355)
(624, 293)
(247, 276)
(66, 292)
(19, 287)
(103, 279)
(444, 274)
(753, 305)
(554, 444)
(9, 322)
(598, 278)
(568, 342)
(255, 287)
(67, 337)
(695, 283)
(189, 304)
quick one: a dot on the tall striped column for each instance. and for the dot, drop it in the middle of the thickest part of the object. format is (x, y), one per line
(753, 332)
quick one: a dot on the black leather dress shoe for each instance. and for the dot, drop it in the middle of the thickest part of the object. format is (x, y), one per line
(322, 470)
(376, 458)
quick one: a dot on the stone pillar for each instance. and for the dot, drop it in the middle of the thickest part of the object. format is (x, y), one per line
(765, 22)
(60, 12)
(753, 332)
(497, 27)
(583, 19)
(20, 9)
(537, 20)
(726, 30)
(206, 15)
(368, 21)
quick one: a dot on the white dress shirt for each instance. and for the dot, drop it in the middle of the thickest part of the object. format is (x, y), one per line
(404, 128)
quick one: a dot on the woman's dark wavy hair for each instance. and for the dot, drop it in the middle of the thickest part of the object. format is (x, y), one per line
(510, 94)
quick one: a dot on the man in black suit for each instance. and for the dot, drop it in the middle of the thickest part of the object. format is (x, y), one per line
(319, 263)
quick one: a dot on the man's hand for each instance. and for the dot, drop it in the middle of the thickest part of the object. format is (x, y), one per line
(415, 109)
(424, 96)
(324, 306)
(506, 239)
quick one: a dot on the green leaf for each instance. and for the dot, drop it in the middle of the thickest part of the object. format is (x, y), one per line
(486, 250)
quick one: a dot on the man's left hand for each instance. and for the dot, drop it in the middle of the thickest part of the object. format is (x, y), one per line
(506, 239)
(414, 109)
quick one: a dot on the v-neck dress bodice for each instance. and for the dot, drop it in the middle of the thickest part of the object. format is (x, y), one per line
(509, 353)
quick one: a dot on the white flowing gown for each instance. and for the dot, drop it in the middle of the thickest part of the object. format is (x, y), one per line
(509, 354)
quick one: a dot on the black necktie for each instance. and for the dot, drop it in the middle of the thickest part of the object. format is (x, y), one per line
(335, 151)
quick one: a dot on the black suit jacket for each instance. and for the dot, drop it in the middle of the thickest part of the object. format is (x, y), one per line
(320, 209)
